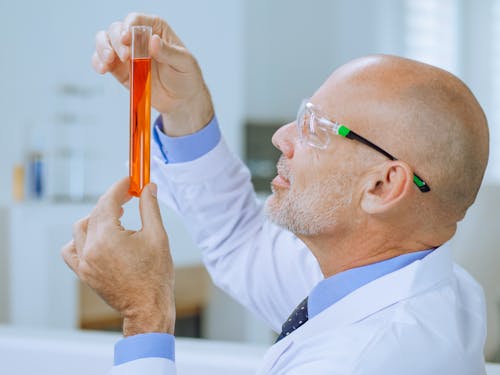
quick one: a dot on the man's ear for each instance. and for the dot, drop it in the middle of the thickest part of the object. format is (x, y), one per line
(385, 186)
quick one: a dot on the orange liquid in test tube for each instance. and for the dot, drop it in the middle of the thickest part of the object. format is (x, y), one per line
(140, 111)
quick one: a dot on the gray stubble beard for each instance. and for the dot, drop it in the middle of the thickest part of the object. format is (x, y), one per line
(312, 211)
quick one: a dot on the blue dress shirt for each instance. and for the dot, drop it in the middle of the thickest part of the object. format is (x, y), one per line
(189, 147)
(336, 287)
(323, 295)
(147, 345)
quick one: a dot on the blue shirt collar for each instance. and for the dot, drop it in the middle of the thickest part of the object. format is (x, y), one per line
(336, 287)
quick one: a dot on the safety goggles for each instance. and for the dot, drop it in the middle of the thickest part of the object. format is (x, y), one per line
(315, 129)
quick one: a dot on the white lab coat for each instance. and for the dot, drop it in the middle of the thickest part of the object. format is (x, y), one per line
(427, 318)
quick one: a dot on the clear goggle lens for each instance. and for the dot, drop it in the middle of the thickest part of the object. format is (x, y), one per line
(311, 128)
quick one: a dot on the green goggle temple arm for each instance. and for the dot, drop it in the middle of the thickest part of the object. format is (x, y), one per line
(347, 133)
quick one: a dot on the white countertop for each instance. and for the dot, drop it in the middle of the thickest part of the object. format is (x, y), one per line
(26, 351)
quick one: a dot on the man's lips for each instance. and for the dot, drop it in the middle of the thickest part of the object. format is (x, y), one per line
(280, 181)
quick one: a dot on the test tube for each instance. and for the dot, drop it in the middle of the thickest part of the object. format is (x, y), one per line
(140, 109)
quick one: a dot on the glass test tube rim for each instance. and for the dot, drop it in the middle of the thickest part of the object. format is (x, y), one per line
(147, 31)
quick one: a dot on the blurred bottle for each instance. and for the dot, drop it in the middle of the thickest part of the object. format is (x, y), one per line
(18, 183)
(35, 175)
(35, 164)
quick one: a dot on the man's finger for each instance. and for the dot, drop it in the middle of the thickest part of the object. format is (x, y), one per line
(103, 64)
(158, 26)
(70, 256)
(174, 55)
(98, 65)
(109, 206)
(114, 36)
(150, 211)
(103, 48)
(138, 19)
(80, 234)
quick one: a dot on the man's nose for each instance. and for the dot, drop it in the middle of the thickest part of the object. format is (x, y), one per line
(284, 139)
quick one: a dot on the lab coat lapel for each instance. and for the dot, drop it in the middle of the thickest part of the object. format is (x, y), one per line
(368, 300)
(274, 353)
(383, 292)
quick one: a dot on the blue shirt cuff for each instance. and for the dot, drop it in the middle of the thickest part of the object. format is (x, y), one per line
(148, 345)
(189, 147)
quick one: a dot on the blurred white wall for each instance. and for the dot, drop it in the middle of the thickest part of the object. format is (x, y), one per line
(477, 249)
(293, 46)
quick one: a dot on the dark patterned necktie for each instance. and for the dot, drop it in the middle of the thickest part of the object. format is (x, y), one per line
(295, 320)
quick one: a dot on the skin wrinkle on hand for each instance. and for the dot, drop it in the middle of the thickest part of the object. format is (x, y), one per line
(138, 284)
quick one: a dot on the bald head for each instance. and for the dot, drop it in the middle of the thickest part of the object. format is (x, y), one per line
(422, 115)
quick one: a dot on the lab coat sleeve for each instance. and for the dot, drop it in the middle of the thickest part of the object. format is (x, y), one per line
(316, 367)
(264, 267)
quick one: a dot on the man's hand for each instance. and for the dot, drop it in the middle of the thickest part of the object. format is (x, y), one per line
(179, 92)
(131, 270)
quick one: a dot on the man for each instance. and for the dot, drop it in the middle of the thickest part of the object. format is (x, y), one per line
(380, 165)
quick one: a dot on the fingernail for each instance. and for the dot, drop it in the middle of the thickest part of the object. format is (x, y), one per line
(154, 190)
(108, 54)
(123, 52)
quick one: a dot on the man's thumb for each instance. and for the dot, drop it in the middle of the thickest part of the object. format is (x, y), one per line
(149, 209)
